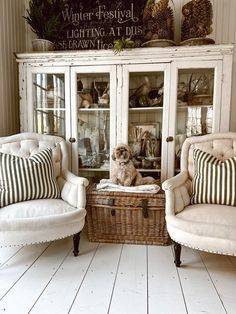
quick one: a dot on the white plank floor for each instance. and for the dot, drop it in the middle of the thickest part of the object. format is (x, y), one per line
(114, 279)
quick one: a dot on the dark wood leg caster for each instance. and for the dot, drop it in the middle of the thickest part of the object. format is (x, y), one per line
(76, 240)
(177, 249)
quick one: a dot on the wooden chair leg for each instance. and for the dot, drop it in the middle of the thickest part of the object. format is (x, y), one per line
(177, 249)
(76, 240)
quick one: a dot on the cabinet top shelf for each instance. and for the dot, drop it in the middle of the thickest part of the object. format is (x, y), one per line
(134, 56)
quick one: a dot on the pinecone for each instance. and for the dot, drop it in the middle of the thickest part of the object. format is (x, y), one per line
(147, 13)
(159, 21)
(187, 9)
(197, 19)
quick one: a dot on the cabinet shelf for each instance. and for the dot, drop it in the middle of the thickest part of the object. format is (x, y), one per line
(149, 170)
(146, 109)
(94, 169)
(190, 106)
(93, 109)
(45, 109)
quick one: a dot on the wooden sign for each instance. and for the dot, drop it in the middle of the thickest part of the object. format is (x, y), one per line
(94, 24)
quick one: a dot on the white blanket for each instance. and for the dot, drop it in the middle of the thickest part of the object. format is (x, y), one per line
(107, 185)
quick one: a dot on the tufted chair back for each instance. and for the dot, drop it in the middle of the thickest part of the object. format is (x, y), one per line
(220, 145)
(28, 144)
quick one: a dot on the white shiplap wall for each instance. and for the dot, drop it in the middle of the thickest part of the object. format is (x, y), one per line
(12, 39)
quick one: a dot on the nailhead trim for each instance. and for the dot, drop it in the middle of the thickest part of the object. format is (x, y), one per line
(205, 250)
(31, 243)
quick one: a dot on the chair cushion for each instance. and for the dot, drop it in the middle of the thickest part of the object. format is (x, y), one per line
(214, 180)
(24, 179)
(39, 221)
(207, 220)
(34, 213)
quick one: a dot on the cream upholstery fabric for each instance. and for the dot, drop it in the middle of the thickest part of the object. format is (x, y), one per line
(203, 226)
(48, 219)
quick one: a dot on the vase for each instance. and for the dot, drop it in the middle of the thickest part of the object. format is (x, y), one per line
(42, 45)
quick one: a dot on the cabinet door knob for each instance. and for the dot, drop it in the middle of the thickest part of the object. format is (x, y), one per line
(72, 140)
(169, 139)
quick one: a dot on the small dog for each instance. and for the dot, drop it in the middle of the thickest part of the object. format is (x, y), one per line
(123, 171)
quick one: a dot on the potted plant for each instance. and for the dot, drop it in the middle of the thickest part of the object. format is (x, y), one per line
(45, 19)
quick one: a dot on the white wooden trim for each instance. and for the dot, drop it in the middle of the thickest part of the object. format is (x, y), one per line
(226, 94)
(120, 102)
(74, 119)
(29, 103)
(217, 104)
(23, 97)
(165, 123)
(172, 119)
(75, 70)
(188, 65)
(138, 55)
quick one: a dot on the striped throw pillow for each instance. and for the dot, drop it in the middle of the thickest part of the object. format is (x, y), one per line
(23, 179)
(214, 181)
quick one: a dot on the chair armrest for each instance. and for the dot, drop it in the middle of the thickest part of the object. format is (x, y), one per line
(176, 181)
(73, 189)
(177, 196)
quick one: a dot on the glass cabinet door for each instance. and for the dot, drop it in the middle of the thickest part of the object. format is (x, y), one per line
(197, 101)
(47, 114)
(146, 100)
(94, 122)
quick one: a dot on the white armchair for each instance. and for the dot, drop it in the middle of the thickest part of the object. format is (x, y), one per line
(207, 227)
(43, 220)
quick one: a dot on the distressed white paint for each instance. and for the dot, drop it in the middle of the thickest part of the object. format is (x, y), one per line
(166, 61)
(14, 36)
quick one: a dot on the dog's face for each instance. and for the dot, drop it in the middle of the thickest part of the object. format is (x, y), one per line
(122, 153)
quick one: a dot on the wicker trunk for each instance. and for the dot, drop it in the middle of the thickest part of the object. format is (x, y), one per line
(120, 217)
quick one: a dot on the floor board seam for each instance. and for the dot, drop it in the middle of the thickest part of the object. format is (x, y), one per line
(63, 260)
(113, 288)
(77, 292)
(180, 283)
(213, 283)
(4, 263)
(25, 271)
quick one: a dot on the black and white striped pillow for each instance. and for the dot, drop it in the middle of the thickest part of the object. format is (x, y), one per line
(214, 181)
(23, 179)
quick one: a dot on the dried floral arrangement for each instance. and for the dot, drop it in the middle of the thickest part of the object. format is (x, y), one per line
(158, 20)
(197, 19)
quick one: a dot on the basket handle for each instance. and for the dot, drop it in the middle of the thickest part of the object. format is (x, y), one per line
(145, 208)
(111, 202)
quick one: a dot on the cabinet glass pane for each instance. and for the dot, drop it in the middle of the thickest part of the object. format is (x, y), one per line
(93, 103)
(145, 121)
(49, 103)
(194, 106)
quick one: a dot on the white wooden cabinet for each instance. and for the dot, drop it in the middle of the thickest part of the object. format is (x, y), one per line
(150, 98)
